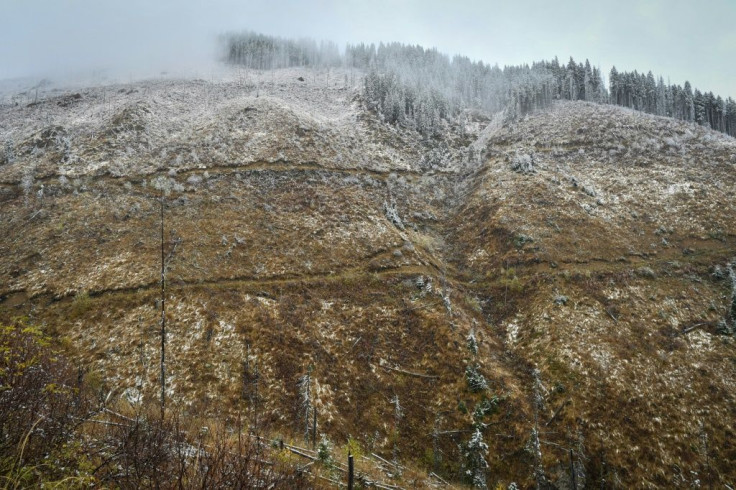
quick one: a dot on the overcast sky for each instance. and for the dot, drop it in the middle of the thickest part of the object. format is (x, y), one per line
(681, 39)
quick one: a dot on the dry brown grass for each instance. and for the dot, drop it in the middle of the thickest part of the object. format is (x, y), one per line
(292, 259)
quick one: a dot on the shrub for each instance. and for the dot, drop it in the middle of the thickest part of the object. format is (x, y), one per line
(646, 272)
(590, 191)
(522, 163)
(8, 153)
(476, 381)
(393, 215)
(81, 304)
(40, 402)
(324, 451)
(472, 343)
(561, 300)
(52, 434)
(520, 240)
(485, 408)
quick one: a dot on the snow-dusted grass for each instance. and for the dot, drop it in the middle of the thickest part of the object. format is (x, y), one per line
(311, 233)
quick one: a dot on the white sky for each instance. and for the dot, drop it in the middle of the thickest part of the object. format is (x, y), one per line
(681, 39)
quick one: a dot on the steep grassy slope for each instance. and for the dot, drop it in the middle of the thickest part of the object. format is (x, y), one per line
(303, 233)
(616, 246)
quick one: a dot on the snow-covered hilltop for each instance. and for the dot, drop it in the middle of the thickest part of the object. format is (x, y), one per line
(417, 87)
(459, 288)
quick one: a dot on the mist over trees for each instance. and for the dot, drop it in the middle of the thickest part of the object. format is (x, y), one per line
(416, 87)
(641, 92)
(261, 52)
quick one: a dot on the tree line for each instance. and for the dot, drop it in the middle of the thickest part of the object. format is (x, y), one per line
(261, 52)
(420, 88)
(643, 93)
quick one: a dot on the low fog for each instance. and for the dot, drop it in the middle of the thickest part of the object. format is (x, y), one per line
(99, 40)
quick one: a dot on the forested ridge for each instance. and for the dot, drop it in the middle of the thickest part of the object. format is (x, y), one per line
(419, 87)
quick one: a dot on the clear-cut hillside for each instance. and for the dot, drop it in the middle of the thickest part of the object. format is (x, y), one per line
(613, 252)
(586, 241)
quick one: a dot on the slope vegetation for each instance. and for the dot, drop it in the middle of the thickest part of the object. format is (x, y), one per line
(421, 282)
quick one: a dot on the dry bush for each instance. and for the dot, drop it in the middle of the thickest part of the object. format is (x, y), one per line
(53, 430)
(148, 452)
(41, 406)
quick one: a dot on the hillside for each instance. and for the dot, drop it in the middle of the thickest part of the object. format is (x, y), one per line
(304, 234)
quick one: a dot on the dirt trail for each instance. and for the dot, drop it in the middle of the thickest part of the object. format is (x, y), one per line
(275, 166)
(14, 298)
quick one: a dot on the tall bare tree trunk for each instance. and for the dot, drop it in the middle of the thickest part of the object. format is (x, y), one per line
(163, 315)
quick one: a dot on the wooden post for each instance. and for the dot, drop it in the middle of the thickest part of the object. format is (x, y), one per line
(435, 450)
(572, 472)
(351, 471)
(255, 395)
(305, 386)
(246, 373)
(80, 380)
(314, 427)
(603, 471)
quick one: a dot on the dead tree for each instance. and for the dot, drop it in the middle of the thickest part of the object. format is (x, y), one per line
(305, 394)
(165, 261)
(536, 446)
(163, 314)
(705, 453)
(398, 415)
(251, 377)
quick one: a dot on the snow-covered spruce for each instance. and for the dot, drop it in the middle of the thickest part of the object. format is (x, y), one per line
(472, 343)
(476, 466)
(392, 214)
(8, 155)
(476, 381)
(523, 163)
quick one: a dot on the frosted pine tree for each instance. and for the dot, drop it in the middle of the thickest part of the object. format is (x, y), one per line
(476, 466)
(476, 381)
(9, 152)
(324, 451)
(472, 343)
